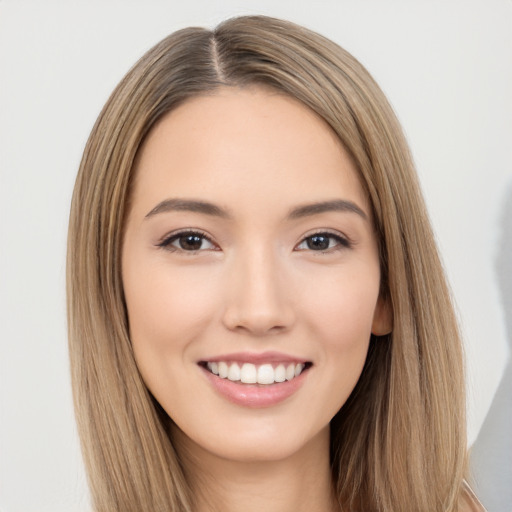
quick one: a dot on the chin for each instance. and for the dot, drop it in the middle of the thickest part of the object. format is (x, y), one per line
(266, 441)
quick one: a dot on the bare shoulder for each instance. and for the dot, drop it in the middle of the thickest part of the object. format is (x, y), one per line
(469, 502)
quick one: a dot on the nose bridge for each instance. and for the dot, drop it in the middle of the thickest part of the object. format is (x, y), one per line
(258, 298)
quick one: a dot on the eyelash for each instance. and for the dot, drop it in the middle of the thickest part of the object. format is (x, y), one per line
(173, 237)
(341, 241)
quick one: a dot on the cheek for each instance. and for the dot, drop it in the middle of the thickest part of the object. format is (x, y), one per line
(342, 322)
(343, 307)
(167, 309)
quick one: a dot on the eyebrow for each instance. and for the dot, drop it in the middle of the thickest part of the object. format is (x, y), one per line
(206, 208)
(335, 205)
(188, 205)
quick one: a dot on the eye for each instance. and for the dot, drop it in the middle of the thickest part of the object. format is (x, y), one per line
(322, 242)
(187, 241)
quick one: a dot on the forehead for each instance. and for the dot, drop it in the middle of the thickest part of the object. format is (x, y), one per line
(238, 144)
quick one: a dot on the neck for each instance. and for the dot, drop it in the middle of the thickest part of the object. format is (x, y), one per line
(301, 482)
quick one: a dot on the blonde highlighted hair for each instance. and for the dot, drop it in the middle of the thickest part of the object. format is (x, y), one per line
(398, 444)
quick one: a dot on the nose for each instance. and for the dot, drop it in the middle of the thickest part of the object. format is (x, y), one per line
(259, 298)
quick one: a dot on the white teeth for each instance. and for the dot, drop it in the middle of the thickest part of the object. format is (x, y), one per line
(223, 370)
(252, 374)
(248, 374)
(214, 368)
(234, 372)
(265, 374)
(280, 373)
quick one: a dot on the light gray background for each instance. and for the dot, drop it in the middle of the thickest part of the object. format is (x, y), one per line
(446, 67)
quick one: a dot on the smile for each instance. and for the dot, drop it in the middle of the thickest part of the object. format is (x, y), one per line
(256, 380)
(248, 373)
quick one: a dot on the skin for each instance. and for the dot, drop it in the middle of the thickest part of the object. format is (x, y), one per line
(255, 284)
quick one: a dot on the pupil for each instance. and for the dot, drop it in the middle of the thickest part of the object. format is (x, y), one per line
(191, 242)
(318, 243)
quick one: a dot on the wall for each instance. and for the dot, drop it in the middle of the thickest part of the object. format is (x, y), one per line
(447, 69)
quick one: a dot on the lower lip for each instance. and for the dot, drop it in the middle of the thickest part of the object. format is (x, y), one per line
(255, 395)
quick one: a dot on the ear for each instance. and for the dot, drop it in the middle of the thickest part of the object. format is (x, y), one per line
(382, 318)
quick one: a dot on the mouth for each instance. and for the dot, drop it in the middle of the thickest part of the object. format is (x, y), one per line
(264, 374)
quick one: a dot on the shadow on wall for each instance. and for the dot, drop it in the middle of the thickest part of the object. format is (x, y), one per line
(491, 455)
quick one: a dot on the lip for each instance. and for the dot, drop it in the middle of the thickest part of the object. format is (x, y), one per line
(255, 395)
(256, 358)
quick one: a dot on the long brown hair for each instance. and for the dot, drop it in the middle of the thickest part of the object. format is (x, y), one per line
(399, 443)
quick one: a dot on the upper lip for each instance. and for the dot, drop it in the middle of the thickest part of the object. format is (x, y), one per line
(256, 358)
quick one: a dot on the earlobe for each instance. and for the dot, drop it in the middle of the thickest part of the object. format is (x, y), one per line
(382, 318)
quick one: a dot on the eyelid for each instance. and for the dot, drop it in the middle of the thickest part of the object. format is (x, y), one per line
(344, 242)
(166, 240)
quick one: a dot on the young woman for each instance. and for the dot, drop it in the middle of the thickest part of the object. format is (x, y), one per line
(258, 317)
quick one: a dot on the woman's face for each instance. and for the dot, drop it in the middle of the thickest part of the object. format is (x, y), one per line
(251, 273)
